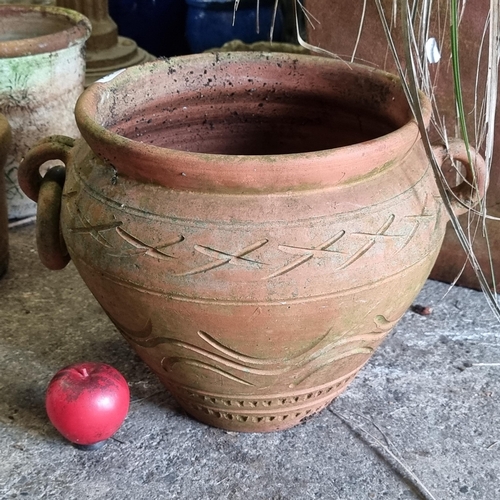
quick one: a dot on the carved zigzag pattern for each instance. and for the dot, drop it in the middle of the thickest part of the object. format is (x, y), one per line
(409, 226)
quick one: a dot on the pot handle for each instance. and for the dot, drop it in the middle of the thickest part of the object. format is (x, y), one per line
(47, 192)
(473, 187)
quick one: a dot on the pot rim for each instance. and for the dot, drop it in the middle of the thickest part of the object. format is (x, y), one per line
(179, 169)
(5, 142)
(78, 31)
(4, 126)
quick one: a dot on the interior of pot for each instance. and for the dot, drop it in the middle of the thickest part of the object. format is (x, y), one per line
(30, 25)
(259, 108)
(30, 29)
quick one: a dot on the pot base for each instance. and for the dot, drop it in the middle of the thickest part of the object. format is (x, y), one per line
(259, 413)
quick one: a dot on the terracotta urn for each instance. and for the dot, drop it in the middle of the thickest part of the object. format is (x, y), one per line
(42, 70)
(5, 142)
(254, 224)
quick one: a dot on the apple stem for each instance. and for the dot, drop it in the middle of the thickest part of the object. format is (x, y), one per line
(84, 372)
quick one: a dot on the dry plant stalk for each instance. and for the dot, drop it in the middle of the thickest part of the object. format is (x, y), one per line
(386, 446)
(413, 67)
(416, 60)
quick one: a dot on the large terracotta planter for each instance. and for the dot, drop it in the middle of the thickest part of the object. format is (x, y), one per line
(339, 32)
(253, 224)
(5, 141)
(42, 70)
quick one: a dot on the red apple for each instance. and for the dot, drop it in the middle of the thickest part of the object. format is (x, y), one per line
(87, 402)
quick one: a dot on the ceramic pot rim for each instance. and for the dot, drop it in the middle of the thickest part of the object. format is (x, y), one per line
(78, 30)
(5, 140)
(4, 126)
(227, 173)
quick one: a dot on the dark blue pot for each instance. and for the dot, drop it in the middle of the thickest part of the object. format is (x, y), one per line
(157, 26)
(209, 23)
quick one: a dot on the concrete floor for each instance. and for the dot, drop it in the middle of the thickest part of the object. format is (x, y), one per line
(424, 413)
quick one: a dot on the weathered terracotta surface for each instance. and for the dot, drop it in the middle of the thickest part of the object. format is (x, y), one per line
(42, 70)
(338, 32)
(253, 224)
(5, 141)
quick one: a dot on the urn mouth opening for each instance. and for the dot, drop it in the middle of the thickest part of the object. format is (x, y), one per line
(27, 30)
(258, 115)
(247, 110)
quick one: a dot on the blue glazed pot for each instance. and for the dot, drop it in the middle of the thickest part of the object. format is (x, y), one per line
(158, 26)
(209, 23)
